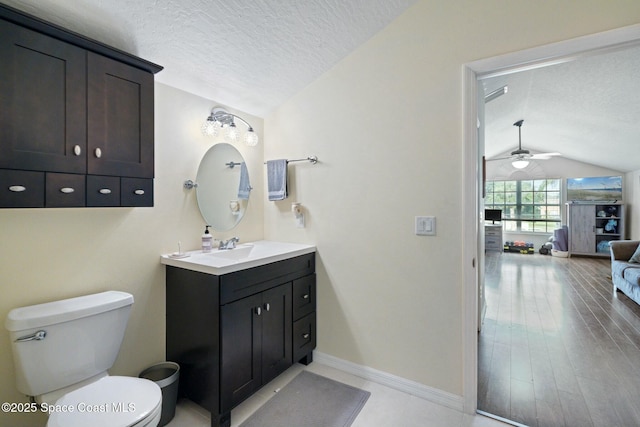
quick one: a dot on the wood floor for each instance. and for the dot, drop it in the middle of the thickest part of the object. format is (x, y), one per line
(557, 348)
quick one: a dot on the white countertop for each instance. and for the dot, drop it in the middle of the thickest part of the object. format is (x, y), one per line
(245, 255)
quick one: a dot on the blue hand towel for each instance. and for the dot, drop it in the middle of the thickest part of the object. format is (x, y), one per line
(277, 179)
(245, 186)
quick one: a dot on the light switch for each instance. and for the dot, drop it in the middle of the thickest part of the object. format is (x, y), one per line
(425, 226)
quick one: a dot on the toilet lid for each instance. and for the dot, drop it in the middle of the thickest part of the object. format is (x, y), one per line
(108, 402)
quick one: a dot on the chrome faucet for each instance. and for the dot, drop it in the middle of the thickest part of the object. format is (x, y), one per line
(229, 244)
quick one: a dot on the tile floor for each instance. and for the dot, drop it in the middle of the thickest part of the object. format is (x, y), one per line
(385, 407)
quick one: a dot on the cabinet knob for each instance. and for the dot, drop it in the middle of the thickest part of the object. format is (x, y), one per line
(17, 188)
(258, 311)
(305, 296)
(67, 190)
(105, 191)
(98, 152)
(139, 192)
(306, 336)
(77, 150)
(267, 306)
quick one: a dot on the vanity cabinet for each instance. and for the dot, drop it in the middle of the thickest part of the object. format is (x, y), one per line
(232, 333)
(75, 107)
(256, 343)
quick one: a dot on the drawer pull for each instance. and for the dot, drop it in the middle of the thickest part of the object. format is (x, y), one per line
(306, 336)
(139, 192)
(17, 188)
(267, 306)
(98, 153)
(105, 191)
(67, 190)
(258, 311)
(305, 296)
(77, 150)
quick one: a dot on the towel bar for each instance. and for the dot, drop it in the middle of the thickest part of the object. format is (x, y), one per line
(312, 159)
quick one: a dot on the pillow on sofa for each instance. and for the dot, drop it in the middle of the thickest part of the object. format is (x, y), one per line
(636, 256)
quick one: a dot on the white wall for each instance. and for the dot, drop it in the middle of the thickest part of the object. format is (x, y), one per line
(632, 200)
(386, 124)
(49, 254)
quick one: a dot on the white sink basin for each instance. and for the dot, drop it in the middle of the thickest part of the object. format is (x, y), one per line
(245, 255)
(239, 252)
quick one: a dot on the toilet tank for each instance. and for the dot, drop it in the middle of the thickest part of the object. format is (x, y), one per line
(82, 337)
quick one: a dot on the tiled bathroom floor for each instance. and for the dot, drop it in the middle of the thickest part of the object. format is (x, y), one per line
(385, 407)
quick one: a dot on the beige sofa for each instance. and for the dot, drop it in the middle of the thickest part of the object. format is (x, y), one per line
(624, 274)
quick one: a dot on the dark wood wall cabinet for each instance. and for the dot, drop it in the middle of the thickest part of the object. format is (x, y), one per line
(233, 333)
(76, 119)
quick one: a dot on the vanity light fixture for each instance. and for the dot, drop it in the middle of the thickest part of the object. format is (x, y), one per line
(222, 121)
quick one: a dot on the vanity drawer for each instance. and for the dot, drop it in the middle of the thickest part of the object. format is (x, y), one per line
(103, 191)
(65, 190)
(136, 192)
(243, 283)
(304, 336)
(21, 189)
(304, 296)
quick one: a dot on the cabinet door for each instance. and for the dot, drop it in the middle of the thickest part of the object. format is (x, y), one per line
(241, 335)
(42, 102)
(582, 229)
(276, 331)
(120, 119)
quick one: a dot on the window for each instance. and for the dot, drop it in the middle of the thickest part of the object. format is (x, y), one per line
(527, 206)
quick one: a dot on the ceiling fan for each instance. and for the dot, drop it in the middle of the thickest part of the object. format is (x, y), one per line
(520, 157)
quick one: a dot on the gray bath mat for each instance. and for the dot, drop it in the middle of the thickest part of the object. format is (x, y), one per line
(310, 400)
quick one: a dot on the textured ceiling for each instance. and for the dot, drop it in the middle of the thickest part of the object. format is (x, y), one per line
(587, 109)
(255, 54)
(248, 54)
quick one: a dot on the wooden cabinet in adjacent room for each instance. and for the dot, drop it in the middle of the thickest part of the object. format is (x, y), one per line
(70, 105)
(592, 226)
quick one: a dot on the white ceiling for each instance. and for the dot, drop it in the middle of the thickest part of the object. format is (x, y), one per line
(587, 109)
(251, 55)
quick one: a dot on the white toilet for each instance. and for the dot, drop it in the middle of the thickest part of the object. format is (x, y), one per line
(61, 353)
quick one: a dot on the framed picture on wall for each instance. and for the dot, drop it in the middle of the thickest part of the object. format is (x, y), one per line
(595, 189)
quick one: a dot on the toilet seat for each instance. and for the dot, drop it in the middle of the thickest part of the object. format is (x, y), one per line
(109, 402)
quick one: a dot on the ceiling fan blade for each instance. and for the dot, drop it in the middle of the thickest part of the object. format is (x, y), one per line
(544, 156)
(499, 158)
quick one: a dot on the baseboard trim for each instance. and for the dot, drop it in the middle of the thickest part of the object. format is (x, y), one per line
(402, 384)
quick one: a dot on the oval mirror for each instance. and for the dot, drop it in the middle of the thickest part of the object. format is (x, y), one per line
(218, 185)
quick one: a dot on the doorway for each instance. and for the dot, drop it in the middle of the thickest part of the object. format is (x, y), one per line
(473, 152)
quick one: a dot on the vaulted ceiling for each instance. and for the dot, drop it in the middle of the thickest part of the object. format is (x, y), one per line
(255, 54)
(588, 109)
(251, 55)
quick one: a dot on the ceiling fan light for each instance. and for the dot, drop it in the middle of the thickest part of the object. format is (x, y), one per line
(520, 164)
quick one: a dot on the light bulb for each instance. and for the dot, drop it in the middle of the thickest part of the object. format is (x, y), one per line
(210, 128)
(231, 133)
(251, 138)
(520, 164)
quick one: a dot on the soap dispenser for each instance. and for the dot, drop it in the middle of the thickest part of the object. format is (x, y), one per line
(207, 240)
